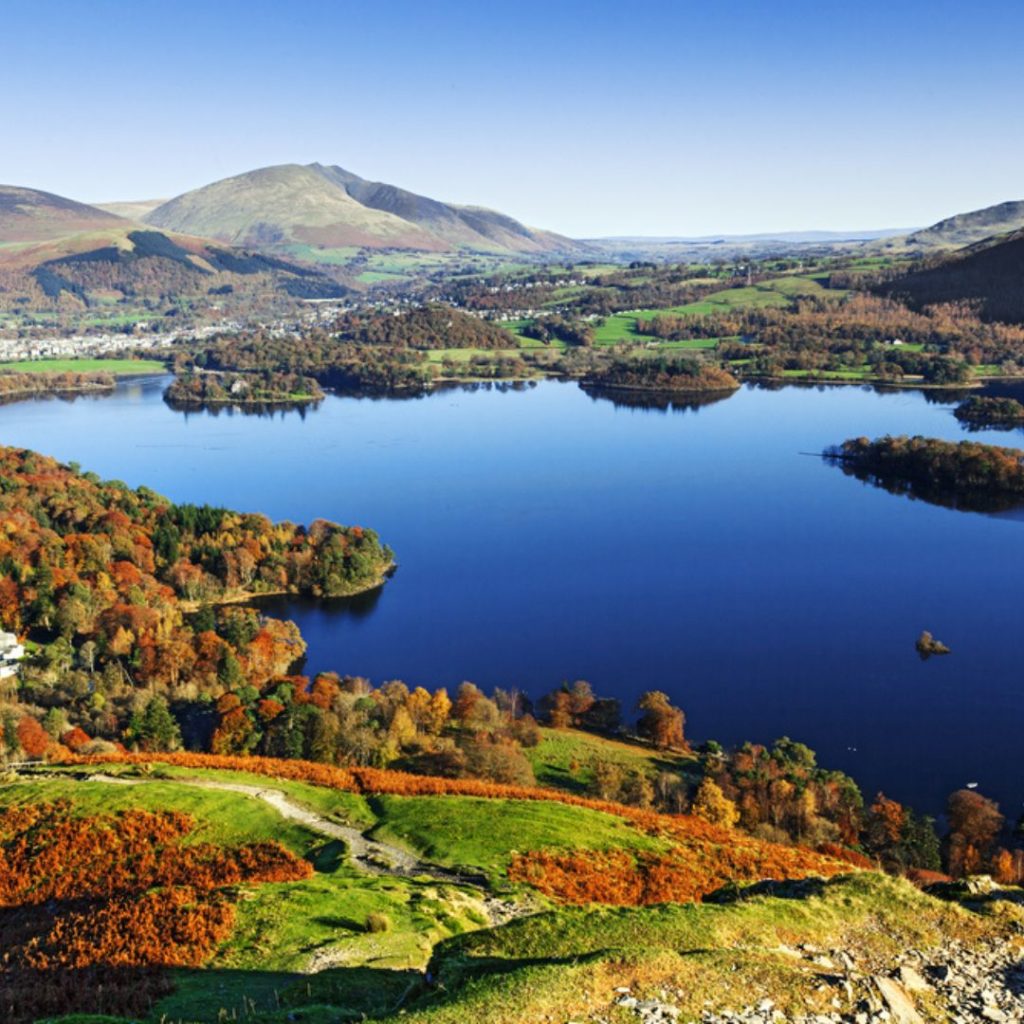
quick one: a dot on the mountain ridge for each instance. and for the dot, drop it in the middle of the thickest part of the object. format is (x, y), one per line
(962, 229)
(328, 207)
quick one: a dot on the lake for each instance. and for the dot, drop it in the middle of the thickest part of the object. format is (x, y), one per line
(545, 535)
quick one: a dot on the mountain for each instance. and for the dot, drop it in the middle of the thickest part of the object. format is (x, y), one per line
(58, 252)
(28, 216)
(963, 229)
(314, 207)
(990, 274)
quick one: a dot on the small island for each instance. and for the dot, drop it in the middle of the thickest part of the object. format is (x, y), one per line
(662, 375)
(195, 389)
(966, 475)
(978, 412)
(927, 645)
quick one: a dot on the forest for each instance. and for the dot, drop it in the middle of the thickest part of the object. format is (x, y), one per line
(121, 594)
(663, 373)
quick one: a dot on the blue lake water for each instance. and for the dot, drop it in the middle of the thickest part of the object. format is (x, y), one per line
(543, 535)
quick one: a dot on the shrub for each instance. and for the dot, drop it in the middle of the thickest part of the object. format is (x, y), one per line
(91, 908)
(377, 922)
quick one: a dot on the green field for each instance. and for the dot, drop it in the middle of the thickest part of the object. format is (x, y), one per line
(119, 367)
(620, 328)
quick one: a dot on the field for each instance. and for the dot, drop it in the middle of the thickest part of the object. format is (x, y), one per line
(118, 367)
(620, 328)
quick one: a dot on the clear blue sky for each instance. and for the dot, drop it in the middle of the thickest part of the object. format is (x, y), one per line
(590, 118)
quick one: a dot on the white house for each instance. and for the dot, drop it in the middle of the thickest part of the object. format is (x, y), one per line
(11, 652)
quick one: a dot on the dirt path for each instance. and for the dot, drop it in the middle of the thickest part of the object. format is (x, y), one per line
(371, 856)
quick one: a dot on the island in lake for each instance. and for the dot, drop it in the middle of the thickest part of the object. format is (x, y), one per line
(662, 374)
(967, 475)
(195, 389)
(979, 412)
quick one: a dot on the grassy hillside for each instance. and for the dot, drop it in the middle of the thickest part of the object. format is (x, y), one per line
(290, 203)
(565, 758)
(356, 939)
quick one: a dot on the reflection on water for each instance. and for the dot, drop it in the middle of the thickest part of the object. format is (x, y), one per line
(267, 410)
(359, 606)
(916, 490)
(623, 398)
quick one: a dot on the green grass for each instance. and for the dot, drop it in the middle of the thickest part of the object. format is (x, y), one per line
(221, 817)
(377, 276)
(346, 808)
(464, 355)
(480, 835)
(863, 373)
(340, 256)
(121, 367)
(565, 757)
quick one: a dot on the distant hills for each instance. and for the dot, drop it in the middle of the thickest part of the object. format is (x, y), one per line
(132, 210)
(963, 229)
(313, 208)
(28, 216)
(989, 273)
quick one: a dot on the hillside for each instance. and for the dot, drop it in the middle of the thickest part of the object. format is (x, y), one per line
(307, 893)
(989, 274)
(142, 270)
(470, 227)
(315, 208)
(961, 230)
(29, 216)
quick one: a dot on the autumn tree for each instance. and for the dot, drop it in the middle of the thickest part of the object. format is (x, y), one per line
(711, 804)
(659, 722)
(974, 823)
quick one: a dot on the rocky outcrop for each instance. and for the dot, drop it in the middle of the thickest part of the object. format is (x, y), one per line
(982, 982)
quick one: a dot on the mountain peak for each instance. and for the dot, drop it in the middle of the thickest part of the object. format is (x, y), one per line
(316, 207)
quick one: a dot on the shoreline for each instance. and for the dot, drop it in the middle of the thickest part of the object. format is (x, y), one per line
(190, 607)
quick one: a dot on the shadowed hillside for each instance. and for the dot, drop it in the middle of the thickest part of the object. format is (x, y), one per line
(990, 275)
